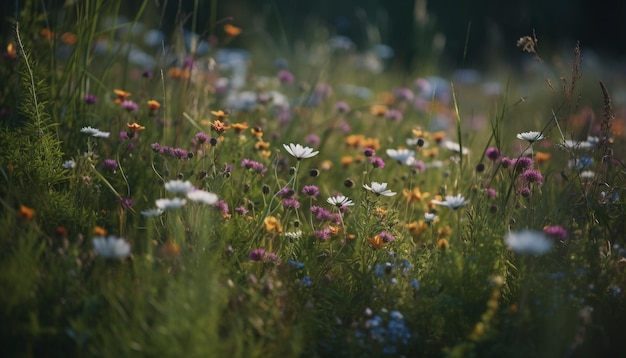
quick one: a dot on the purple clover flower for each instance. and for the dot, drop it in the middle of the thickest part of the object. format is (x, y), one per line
(492, 153)
(533, 176)
(556, 231)
(311, 190)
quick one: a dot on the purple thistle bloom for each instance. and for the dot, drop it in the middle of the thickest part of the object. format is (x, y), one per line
(241, 210)
(322, 234)
(222, 207)
(525, 192)
(506, 162)
(256, 166)
(320, 213)
(129, 105)
(404, 94)
(420, 166)
(312, 140)
(109, 164)
(257, 255)
(90, 99)
(394, 115)
(156, 147)
(127, 203)
(285, 76)
(377, 162)
(227, 168)
(492, 153)
(533, 176)
(311, 190)
(202, 137)
(556, 231)
(369, 152)
(342, 107)
(180, 153)
(291, 203)
(523, 163)
(285, 193)
(386, 237)
(491, 192)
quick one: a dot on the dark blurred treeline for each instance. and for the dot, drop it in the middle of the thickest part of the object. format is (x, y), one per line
(468, 32)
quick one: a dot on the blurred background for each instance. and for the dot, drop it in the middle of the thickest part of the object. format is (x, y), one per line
(460, 33)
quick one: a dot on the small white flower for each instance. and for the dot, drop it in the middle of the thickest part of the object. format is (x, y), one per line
(531, 136)
(294, 234)
(201, 196)
(152, 212)
(403, 156)
(430, 217)
(169, 204)
(379, 189)
(587, 175)
(528, 242)
(299, 151)
(576, 145)
(179, 186)
(95, 132)
(340, 201)
(111, 247)
(69, 164)
(455, 147)
(453, 202)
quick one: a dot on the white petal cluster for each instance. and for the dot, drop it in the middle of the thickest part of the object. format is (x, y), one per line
(95, 132)
(179, 186)
(455, 147)
(299, 151)
(528, 242)
(452, 201)
(340, 201)
(111, 247)
(531, 136)
(170, 204)
(403, 156)
(201, 196)
(379, 189)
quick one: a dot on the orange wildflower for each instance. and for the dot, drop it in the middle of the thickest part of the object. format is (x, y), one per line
(120, 95)
(134, 128)
(11, 51)
(257, 131)
(232, 30)
(239, 127)
(69, 38)
(26, 213)
(430, 153)
(373, 143)
(153, 104)
(443, 232)
(387, 98)
(378, 110)
(47, 34)
(178, 73)
(99, 231)
(414, 195)
(417, 228)
(219, 126)
(443, 244)
(219, 114)
(542, 157)
(261, 145)
(376, 242)
(334, 230)
(169, 249)
(346, 160)
(272, 224)
(326, 165)
(420, 133)
(381, 212)
(354, 140)
(61, 231)
(439, 136)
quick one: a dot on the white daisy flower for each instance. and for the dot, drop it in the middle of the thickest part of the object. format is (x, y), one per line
(340, 201)
(528, 242)
(69, 164)
(111, 247)
(455, 147)
(430, 217)
(452, 201)
(95, 132)
(576, 145)
(294, 234)
(531, 136)
(403, 156)
(201, 196)
(170, 204)
(299, 151)
(379, 189)
(179, 186)
(587, 175)
(152, 212)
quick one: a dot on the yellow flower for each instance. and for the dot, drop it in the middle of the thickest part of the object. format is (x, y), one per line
(378, 110)
(420, 133)
(134, 128)
(430, 153)
(99, 231)
(439, 136)
(354, 140)
(26, 213)
(219, 114)
(414, 195)
(232, 30)
(256, 131)
(443, 244)
(120, 95)
(417, 228)
(272, 224)
(239, 127)
(261, 145)
(153, 105)
(346, 160)
(11, 51)
(376, 242)
(373, 143)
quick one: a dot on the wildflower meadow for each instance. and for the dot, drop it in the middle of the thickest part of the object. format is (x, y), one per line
(210, 192)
